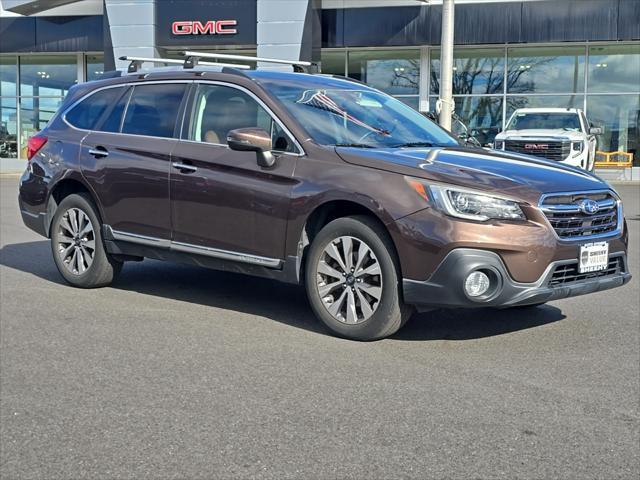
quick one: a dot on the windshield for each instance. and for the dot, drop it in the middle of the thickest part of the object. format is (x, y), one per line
(358, 118)
(544, 121)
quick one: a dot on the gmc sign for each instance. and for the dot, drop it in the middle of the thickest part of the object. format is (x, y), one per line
(185, 24)
(211, 27)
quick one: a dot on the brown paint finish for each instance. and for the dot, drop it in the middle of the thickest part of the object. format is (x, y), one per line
(132, 182)
(230, 202)
(209, 195)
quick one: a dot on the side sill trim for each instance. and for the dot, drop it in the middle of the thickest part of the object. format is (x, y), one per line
(194, 249)
(135, 238)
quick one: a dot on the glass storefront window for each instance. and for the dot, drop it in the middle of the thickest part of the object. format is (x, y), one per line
(95, 66)
(396, 72)
(475, 71)
(47, 75)
(543, 101)
(332, 62)
(8, 76)
(545, 69)
(8, 128)
(620, 117)
(614, 68)
(34, 114)
(482, 116)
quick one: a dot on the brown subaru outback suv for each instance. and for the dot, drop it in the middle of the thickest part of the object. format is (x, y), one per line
(315, 180)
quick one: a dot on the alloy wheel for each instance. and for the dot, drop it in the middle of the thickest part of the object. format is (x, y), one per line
(76, 241)
(349, 280)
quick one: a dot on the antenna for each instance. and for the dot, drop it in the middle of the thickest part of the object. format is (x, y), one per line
(193, 58)
(136, 63)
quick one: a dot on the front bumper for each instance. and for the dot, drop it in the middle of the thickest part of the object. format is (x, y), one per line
(445, 288)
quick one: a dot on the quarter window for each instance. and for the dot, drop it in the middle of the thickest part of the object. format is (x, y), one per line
(86, 113)
(153, 110)
(219, 109)
(114, 117)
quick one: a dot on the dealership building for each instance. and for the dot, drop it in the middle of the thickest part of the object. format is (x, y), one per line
(508, 54)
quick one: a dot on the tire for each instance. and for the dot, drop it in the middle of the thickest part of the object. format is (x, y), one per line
(76, 215)
(378, 310)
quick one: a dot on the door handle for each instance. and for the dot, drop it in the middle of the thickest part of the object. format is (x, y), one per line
(183, 167)
(98, 152)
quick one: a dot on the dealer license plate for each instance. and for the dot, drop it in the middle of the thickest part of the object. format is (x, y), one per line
(594, 257)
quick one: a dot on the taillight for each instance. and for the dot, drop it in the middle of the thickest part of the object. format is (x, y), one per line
(35, 144)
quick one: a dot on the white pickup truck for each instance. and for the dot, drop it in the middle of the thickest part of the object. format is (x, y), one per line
(561, 134)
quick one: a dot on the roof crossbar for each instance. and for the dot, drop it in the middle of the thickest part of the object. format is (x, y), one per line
(193, 58)
(136, 63)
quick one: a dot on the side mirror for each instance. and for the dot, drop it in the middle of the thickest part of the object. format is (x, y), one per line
(596, 131)
(252, 140)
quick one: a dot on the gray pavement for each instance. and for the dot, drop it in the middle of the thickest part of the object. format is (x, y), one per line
(181, 372)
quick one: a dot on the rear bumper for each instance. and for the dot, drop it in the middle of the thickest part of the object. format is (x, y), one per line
(38, 222)
(445, 288)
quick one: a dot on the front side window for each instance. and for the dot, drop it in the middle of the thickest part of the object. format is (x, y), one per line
(86, 113)
(354, 117)
(544, 121)
(218, 109)
(153, 110)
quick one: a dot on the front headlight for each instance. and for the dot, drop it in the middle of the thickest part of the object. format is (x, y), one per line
(473, 205)
(577, 147)
(498, 144)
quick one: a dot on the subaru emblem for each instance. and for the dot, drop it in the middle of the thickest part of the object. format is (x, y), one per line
(588, 206)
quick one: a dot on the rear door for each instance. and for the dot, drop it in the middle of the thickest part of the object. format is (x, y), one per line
(127, 160)
(223, 199)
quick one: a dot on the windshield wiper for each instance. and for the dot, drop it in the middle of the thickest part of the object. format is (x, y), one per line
(354, 145)
(414, 144)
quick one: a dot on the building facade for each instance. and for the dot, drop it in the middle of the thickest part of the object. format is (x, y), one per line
(509, 54)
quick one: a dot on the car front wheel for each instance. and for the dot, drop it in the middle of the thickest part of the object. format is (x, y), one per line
(352, 280)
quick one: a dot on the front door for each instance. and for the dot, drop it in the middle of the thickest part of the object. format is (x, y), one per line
(222, 199)
(127, 160)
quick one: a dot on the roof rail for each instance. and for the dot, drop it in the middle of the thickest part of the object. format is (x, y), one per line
(193, 58)
(136, 63)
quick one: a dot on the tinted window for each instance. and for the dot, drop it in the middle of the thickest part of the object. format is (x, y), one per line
(153, 110)
(86, 114)
(218, 109)
(114, 118)
(541, 121)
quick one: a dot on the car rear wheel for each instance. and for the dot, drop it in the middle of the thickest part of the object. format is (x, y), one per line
(352, 280)
(77, 246)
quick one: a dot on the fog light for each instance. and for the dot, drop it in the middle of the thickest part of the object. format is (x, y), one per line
(477, 284)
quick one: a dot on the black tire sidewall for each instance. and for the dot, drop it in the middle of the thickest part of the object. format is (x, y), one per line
(103, 268)
(388, 317)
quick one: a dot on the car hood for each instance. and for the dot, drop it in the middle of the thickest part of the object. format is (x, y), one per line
(520, 176)
(539, 133)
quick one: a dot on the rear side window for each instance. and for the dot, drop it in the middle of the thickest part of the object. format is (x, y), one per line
(86, 114)
(153, 110)
(114, 117)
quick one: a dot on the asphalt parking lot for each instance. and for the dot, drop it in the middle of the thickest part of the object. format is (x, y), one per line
(181, 372)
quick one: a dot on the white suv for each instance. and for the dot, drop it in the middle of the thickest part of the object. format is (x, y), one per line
(561, 134)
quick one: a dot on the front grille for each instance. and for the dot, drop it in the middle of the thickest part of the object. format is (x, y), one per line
(552, 150)
(569, 273)
(570, 221)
